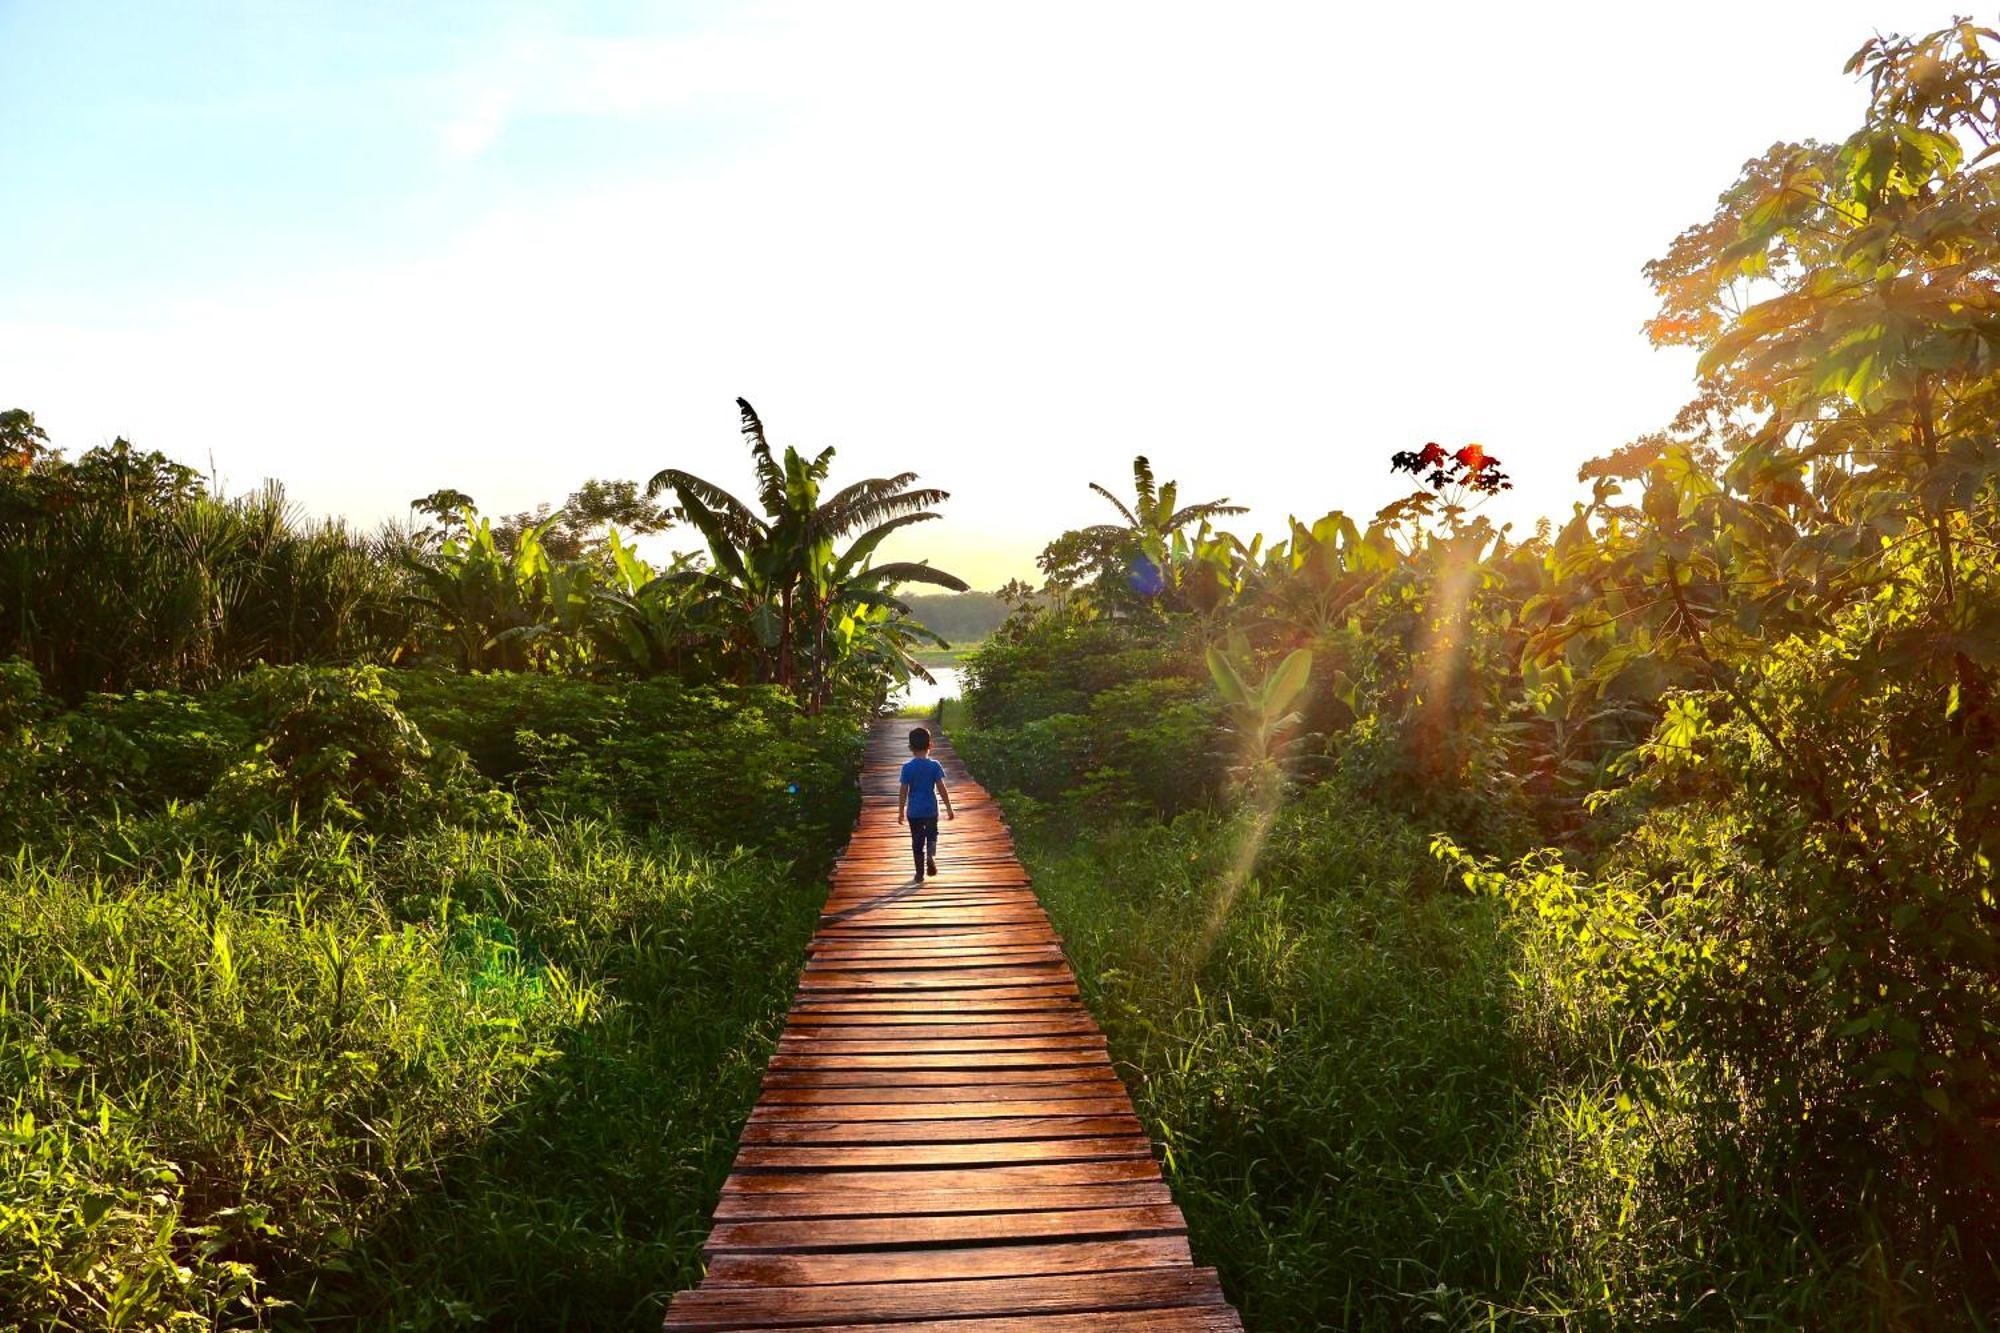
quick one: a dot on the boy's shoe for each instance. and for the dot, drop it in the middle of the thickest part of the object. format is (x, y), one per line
(933, 868)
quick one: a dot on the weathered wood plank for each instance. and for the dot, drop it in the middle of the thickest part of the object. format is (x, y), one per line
(955, 1130)
(806, 1270)
(948, 1229)
(793, 1307)
(887, 1203)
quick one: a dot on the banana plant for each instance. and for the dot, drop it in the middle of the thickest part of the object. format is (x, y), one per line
(1261, 712)
(649, 621)
(778, 573)
(876, 648)
(1141, 557)
(492, 604)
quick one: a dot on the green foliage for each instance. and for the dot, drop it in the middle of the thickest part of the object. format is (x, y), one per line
(781, 590)
(499, 606)
(462, 1075)
(204, 1091)
(337, 749)
(307, 1028)
(118, 571)
(586, 1203)
(1108, 718)
(1147, 560)
(1260, 708)
(1384, 1105)
(724, 766)
(1747, 689)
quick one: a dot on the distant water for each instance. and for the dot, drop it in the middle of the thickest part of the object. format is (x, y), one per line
(918, 694)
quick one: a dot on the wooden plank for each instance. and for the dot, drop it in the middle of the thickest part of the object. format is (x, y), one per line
(951, 1229)
(785, 1158)
(955, 1130)
(889, 1203)
(1182, 1319)
(1117, 1171)
(927, 1078)
(941, 1142)
(941, 1060)
(1104, 1084)
(806, 1270)
(793, 1307)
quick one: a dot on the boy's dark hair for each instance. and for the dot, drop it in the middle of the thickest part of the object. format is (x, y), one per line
(920, 739)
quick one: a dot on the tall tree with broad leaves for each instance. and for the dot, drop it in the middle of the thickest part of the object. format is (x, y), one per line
(780, 569)
(1833, 590)
(1139, 553)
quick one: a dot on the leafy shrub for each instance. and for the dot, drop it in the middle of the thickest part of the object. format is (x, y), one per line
(24, 799)
(147, 748)
(336, 748)
(1045, 757)
(1128, 734)
(1057, 665)
(1840, 972)
(1161, 737)
(725, 765)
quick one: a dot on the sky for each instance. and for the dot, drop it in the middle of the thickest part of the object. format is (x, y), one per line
(372, 249)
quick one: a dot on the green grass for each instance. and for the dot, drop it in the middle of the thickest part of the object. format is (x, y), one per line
(1367, 1112)
(462, 1078)
(949, 713)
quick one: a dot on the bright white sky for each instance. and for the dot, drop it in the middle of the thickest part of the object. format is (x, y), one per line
(373, 248)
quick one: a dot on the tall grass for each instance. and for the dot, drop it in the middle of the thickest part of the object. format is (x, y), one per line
(101, 593)
(464, 1076)
(1368, 1113)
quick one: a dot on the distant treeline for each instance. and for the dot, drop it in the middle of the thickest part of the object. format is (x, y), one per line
(961, 617)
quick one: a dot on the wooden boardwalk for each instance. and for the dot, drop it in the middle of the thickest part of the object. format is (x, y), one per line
(941, 1143)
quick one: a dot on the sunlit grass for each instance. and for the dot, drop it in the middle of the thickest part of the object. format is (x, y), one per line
(1363, 1110)
(460, 1077)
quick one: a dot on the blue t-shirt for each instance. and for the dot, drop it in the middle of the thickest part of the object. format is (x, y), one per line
(922, 775)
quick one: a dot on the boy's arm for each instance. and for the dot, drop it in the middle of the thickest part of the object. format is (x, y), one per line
(945, 792)
(902, 801)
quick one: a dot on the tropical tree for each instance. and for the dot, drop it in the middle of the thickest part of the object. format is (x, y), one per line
(119, 571)
(1828, 603)
(1143, 555)
(499, 609)
(22, 442)
(779, 571)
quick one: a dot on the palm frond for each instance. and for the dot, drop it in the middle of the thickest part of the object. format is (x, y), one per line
(770, 477)
(1142, 486)
(909, 571)
(1131, 520)
(725, 537)
(871, 502)
(863, 549)
(1181, 518)
(853, 596)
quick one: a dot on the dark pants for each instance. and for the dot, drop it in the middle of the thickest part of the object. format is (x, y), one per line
(923, 836)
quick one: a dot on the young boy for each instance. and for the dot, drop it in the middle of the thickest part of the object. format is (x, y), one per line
(923, 783)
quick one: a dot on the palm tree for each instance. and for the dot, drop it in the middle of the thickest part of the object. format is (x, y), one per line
(1151, 523)
(779, 569)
